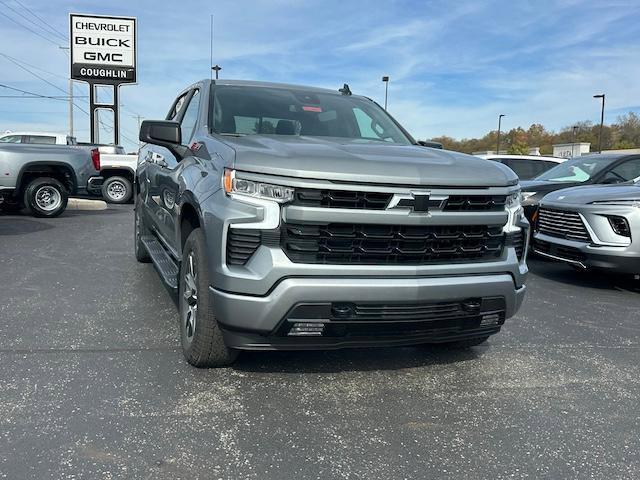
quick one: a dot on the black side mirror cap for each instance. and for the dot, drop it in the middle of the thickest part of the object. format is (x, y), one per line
(164, 133)
(427, 143)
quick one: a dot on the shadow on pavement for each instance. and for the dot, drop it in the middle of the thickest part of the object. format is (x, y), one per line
(14, 225)
(598, 279)
(363, 359)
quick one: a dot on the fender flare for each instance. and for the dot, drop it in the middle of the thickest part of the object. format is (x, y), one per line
(47, 163)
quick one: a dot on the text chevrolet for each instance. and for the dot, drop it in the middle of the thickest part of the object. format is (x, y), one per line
(289, 217)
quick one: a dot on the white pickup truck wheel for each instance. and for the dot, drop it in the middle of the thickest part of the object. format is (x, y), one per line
(116, 190)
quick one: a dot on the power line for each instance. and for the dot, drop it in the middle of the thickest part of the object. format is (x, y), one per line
(44, 22)
(27, 28)
(33, 95)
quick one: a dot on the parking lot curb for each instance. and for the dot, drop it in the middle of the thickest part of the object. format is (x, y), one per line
(84, 204)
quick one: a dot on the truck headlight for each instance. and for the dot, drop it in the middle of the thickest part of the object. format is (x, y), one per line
(250, 188)
(514, 209)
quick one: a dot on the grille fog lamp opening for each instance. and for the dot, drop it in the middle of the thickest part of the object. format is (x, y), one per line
(306, 329)
(620, 226)
(490, 319)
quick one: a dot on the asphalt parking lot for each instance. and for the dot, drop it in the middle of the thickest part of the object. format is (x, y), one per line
(93, 383)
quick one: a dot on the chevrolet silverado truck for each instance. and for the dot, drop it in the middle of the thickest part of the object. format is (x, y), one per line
(40, 178)
(290, 217)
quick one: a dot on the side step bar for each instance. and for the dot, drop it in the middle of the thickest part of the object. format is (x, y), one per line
(163, 262)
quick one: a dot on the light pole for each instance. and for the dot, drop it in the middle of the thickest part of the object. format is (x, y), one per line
(216, 69)
(499, 126)
(601, 121)
(385, 79)
(573, 140)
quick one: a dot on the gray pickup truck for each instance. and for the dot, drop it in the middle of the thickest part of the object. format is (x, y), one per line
(40, 178)
(289, 217)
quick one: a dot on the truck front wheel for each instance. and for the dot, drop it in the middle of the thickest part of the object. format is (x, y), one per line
(117, 190)
(202, 341)
(45, 197)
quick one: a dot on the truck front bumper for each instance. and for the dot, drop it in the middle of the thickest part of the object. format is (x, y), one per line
(326, 313)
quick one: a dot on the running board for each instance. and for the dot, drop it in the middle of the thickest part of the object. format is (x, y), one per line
(166, 266)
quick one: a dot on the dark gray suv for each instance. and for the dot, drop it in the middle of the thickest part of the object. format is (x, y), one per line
(288, 217)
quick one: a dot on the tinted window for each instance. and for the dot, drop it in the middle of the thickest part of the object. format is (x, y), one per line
(190, 118)
(579, 169)
(525, 169)
(282, 111)
(11, 139)
(177, 107)
(628, 170)
(44, 139)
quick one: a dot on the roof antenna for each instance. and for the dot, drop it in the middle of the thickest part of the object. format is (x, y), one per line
(345, 90)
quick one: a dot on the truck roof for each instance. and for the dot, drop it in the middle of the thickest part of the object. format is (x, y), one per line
(255, 83)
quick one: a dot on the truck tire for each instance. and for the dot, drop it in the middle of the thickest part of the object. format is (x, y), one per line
(117, 190)
(45, 197)
(140, 229)
(202, 341)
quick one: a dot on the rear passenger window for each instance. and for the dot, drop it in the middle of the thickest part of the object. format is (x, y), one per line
(11, 139)
(177, 107)
(42, 139)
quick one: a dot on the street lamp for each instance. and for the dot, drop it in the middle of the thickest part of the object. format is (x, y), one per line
(216, 69)
(385, 79)
(499, 125)
(601, 122)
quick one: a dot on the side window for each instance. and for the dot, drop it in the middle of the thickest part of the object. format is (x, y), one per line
(190, 118)
(11, 139)
(627, 170)
(42, 139)
(177, 107)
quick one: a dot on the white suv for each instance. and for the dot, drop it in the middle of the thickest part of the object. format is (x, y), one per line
(526, 166)
(37, 137)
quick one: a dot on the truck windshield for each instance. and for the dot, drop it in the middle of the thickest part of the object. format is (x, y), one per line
(245, 110)
(577, 169)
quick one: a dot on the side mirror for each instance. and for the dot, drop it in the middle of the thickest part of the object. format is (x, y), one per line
(427, 143)
(164, 133)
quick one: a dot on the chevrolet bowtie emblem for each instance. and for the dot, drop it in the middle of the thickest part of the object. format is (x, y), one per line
(418, 202)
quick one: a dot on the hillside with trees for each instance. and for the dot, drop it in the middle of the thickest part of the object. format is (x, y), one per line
(625, 133)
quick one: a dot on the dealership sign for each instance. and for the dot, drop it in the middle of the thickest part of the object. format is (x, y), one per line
(103, 49)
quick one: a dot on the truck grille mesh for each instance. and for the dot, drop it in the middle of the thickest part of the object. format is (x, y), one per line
(341, 243)
(308, 197)
(241, 244)
(562, 224)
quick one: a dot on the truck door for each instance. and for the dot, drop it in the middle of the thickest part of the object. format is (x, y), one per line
(165, 173)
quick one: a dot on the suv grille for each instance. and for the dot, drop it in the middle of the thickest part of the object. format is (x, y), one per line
(562, 224)
(341, 243)
(308, 197)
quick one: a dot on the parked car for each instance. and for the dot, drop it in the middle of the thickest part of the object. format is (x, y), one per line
(584, 170)
(37, 137)
(592, 227)
(42, 177)
(289, 217)
(526, 166)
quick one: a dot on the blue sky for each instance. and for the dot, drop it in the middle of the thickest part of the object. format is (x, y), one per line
(454, 66)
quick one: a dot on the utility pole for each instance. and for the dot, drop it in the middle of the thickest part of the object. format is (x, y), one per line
(70, 98)
(499, 126)
(211, 48)
(139, 118)
(385, 79)
(601, 121)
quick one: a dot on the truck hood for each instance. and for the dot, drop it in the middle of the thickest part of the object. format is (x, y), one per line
(587, 194)
(371, 162)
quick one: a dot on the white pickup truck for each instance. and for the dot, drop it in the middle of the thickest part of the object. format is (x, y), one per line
(115, 179)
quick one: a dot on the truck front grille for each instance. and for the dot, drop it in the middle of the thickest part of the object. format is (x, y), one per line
(562, 224)
(308, 197)
(342, 243)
